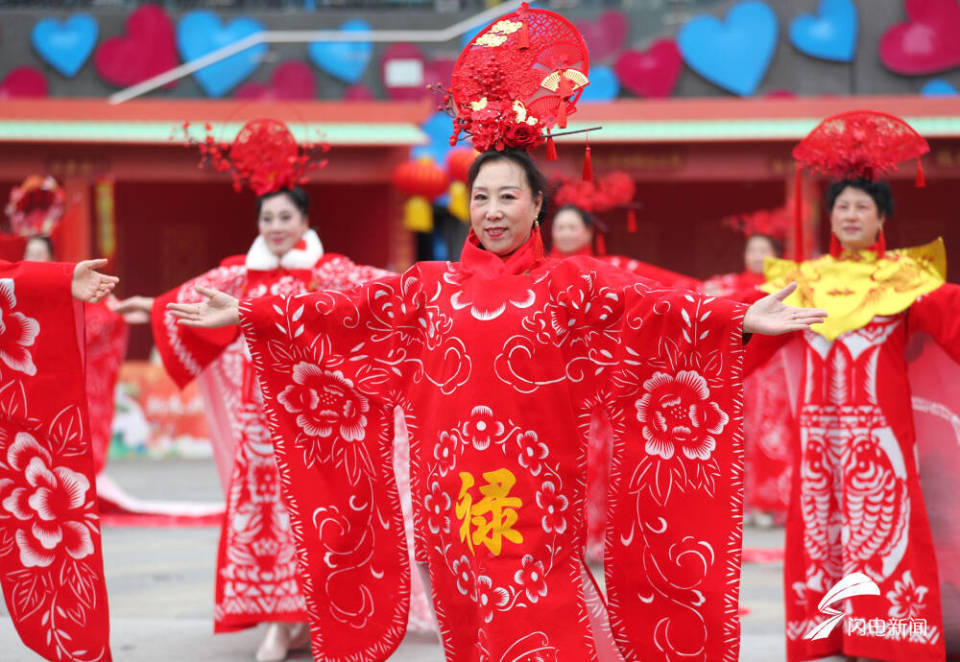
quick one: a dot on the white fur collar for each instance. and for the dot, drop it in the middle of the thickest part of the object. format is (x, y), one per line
(259, 257)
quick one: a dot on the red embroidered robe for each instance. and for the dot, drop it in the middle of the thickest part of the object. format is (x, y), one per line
(768, 423)
(106, 340)
(51, 567)
(256, 563)
(856, 503)
(498, 365)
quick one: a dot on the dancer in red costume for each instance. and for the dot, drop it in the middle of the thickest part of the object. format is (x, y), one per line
(857, 510)
(51, 567)
(498, 361)
(256, 564)
(768, 423)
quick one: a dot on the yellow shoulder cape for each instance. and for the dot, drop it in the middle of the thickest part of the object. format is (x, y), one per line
(858, 286)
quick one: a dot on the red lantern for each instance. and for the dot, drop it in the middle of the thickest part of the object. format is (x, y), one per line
(420, 178)
(459, 161)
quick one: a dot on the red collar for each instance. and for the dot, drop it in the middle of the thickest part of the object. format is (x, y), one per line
(838, 252)
(476, 259)
(585, 250)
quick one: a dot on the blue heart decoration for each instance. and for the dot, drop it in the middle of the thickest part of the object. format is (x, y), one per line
(346, 61)
(200, 32)
(831, 35)
(65, 46)
(604, 85)
(938, 88)
(736, 53)
(438, 128)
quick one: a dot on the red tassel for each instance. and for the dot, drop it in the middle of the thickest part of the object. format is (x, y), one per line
(587, 164)
(921, 179)
(524, 32)
(631, 220)
(798, 216)
(538, 252)
(601, 244)
(551, 149)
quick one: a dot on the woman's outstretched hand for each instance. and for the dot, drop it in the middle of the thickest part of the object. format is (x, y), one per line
(88, 284)
(219, 309)
(135, 310)
(771, 317)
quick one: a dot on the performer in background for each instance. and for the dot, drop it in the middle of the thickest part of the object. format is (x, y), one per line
(257, 578)
(857, 510)
(498, 361)
(51, 567)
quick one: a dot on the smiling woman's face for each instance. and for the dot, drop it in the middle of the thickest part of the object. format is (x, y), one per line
(855, 219)
(281, 224)
(502, 207)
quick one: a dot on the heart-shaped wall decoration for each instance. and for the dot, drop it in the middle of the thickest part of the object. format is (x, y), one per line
(831, 34)
(346, 61)
(651, 73)
(23, 82)
(606, 35)
(200, 32)
(290, 81)
(735, 53)
(927, 43)
(147, 49)
(65, 45)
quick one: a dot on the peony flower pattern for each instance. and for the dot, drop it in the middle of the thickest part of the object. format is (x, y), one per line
(445, 452)
(17, 332)
(553, 505)
(906, 598)
(489, 597)
(463, 571)
(583, 312)
(437, 504)
(531, 578)
(50, 503)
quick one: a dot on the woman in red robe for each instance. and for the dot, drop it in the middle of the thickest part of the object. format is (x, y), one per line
(498, 362)
(858, 525)
(51, 566)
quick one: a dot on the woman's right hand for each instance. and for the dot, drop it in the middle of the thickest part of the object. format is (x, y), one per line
(135, 310)
(219, 309)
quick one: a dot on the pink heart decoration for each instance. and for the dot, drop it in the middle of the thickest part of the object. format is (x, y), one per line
(290, 81)
(652, 73)
(358, 92)
(925, 44)
(606, 35)
(23, 82)
(148, 48)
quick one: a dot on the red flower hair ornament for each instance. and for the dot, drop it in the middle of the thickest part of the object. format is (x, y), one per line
(264, 156)
(36, 206)
(518, 79)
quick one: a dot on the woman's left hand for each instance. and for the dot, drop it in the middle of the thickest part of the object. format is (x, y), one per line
(88, 284)
(771, 317)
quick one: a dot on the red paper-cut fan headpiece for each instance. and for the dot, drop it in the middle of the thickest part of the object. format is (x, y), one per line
(613, 190)
(517, 79)
(265, 156)
(773, 223)
(36, 206)
(860, 144)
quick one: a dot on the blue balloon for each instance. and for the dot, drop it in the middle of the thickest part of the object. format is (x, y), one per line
(65, 46)
(438, 128)
(734, 54)
(604, 85)
(831, 35)
(938, 88)
(346, 61)
(200, 32)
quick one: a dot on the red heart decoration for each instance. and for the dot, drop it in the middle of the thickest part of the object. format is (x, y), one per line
(606, 35)
(290, 81)
(403, 71)
(147, 49)
(925, 44)
(23, 82)
(651, 73)
(780, 94)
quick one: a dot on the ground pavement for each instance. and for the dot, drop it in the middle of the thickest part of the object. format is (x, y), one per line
(160, 585)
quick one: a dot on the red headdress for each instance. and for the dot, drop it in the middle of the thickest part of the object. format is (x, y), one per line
(773, 223)
(517, 79)
(35, 207)
(858, 144)
(599, 195)
(265, 156)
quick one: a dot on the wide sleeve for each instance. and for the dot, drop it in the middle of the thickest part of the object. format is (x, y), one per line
(51, 567)
(185, 351)
(329, 365)
(938, 314)
(674, 532)
(106, 338)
